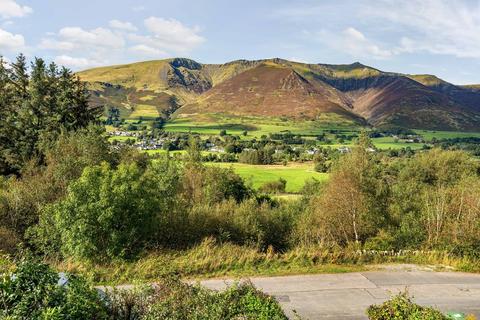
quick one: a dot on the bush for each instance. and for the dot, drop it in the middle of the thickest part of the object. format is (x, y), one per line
(401, 307)
(8, 240)
(111, 213)
(172, 299)
(274, 186)
(32, 291)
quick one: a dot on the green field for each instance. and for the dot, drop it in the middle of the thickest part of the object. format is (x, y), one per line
(256, 126)
(295, 173)
(428, 135)
(144, 111)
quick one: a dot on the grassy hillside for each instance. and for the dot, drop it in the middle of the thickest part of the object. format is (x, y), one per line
(276, 88)
(427, 79)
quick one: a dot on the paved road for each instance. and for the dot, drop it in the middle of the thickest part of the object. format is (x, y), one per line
(346, 296)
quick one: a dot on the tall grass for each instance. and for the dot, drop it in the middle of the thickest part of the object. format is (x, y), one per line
(212, 259)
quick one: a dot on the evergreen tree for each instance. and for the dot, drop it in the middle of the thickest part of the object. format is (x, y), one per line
(35, 107)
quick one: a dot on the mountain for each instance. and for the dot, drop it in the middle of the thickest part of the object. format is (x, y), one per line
(463, 95)
(280, 88)
(271, 90)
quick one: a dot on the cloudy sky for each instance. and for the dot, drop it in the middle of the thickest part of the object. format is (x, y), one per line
(411, 36)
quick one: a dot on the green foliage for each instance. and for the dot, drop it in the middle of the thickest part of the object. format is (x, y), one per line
(352, 206)
(32, 291)
(36, 107)
(274, 186)
(22, 199)
(434, 199)
(175, 300)
(110, 213)
(260, 156)
(401, 307)
(247, 223)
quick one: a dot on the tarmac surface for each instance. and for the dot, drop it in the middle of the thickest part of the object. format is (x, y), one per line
(348, 295)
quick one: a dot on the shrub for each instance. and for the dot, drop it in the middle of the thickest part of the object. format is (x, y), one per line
(175, 300)
(401, 307)
(32, 291)
(8, 240)
(111, 213)
(210, 185)
(171, 299)
(274, 186)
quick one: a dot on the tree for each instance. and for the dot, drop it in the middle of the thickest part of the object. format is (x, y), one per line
(22, 199)
(436, 199)
(35, 107)
(112, 213)
(353, 205)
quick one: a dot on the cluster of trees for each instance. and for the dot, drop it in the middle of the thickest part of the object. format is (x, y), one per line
(470, 144)
(90, 202)
(257, 156)
(36, 104)
(430, 200)
(75, 196)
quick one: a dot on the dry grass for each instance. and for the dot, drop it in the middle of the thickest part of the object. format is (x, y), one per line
(210, 259)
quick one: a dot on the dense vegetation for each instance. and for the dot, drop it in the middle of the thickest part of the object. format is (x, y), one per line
(91, 202)
(35, 107)
(35, 291)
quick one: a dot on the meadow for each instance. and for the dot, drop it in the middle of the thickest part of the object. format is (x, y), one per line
(294, 173)
(429, 135)
(144, 111)
(256, 126)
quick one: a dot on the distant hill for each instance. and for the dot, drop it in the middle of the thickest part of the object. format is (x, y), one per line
(281, 88)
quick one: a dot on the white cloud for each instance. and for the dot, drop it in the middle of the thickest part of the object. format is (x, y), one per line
(56, 45)
(353, 42)
(74, 63)
(297, 60)
(10, 41)
(11, 9)
(147, 51)
(434, 26)
(441, 27)
(172, 34)
(354, 34)
(122, 25)
(80, 48)
(99, 37)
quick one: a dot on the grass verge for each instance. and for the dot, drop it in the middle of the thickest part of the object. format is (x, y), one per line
(212, 260)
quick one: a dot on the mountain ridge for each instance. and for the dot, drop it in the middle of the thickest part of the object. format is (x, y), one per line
(354, 91)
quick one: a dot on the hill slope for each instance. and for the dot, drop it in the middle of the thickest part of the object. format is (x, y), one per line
(281, 88)
(271, 90)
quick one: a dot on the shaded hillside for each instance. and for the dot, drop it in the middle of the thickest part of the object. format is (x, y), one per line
(393, 99)
(464, 95)
(281, 88)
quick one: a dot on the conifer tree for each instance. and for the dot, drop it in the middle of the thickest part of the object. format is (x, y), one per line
(35, 107)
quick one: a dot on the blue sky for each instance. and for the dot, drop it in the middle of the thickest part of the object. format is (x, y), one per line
(439, 37)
